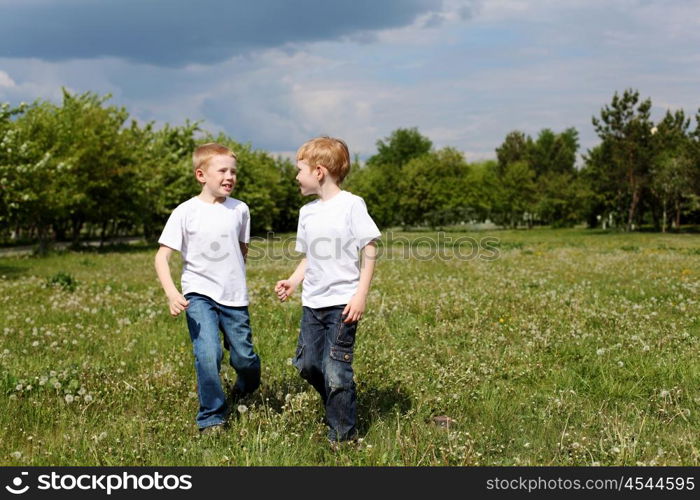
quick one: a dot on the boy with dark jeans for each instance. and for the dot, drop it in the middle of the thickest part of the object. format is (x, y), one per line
(332, 233)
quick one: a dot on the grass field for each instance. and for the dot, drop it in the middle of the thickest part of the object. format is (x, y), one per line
(570, 347)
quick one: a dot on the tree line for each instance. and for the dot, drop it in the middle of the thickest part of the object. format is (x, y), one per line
(641, 174)
(83, 169)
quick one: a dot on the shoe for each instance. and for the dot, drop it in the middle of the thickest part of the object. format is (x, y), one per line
(237, 395)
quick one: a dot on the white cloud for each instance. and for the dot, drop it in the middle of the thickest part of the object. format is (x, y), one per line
(465, 82)
(5, 80)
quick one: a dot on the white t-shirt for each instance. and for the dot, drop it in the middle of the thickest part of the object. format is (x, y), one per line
(207, 235)
(331, 234)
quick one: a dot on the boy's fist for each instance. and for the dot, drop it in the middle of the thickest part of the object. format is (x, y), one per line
(283, 289)
(177, 303)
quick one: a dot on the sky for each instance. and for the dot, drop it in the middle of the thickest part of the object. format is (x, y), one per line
(275, 73)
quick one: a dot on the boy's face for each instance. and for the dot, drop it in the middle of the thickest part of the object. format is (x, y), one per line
(308, 178)
(218, 178)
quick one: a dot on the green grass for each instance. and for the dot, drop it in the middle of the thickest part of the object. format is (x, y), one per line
(572, 347)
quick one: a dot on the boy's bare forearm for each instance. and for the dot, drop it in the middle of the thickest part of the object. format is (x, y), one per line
(298, 274)
(163, 272)
(369, 259)
(244, 250)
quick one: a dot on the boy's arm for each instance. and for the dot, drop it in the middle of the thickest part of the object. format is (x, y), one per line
(356, 307)
(244, 250)
(285, 288)
(176, 301)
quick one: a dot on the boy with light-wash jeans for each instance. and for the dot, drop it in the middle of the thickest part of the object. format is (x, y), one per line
(332, 233)
(212, 231)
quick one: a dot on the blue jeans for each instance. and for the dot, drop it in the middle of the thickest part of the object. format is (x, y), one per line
(205, 318)
(324, 358)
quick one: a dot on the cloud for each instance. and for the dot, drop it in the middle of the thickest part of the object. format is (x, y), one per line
(6, 81)
(514, 65)
(178, 32)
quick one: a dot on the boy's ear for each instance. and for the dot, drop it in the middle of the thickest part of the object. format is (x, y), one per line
(199, 175)
(321, 172)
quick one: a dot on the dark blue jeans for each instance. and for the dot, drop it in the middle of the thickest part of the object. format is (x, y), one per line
(324, 358)
(205, 318)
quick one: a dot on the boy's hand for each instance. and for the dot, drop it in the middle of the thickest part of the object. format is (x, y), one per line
(284, 289)
(355, 308)
(177, 303)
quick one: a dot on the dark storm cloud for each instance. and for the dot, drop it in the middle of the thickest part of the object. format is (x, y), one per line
(178, 32)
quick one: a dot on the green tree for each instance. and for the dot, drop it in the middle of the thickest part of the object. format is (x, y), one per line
(9, 151)
(515, 194)
(376, 182)
(165, 177)
(625, 128)
(554, 153)
(434, 189)
(517, 147)
(672, 170)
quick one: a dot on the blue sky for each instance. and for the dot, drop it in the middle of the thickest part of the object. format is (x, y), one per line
(276, 72)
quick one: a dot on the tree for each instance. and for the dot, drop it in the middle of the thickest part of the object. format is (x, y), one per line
(625, 129)
(516, 194)
(400, 147)
(672, 170)
(434, 189)
(376, 182)
(9, 149)
(517, 147)
(165, 176)
(554, 153)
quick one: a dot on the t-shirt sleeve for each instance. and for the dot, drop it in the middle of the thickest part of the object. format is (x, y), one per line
(244, 231)
(172, 234)
(363, 228)
(300, 245)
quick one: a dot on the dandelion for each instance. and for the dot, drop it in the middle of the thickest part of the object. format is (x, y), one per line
(82, 391)
(600, 351)
(69, 398)
(620, 364)
(242, 409)
(664, 393)
(87, 398)
(615, 450)
(19, 387)
(16, 455)
(56, 385)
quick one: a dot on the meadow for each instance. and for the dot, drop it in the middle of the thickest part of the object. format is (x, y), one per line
(549, 347)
